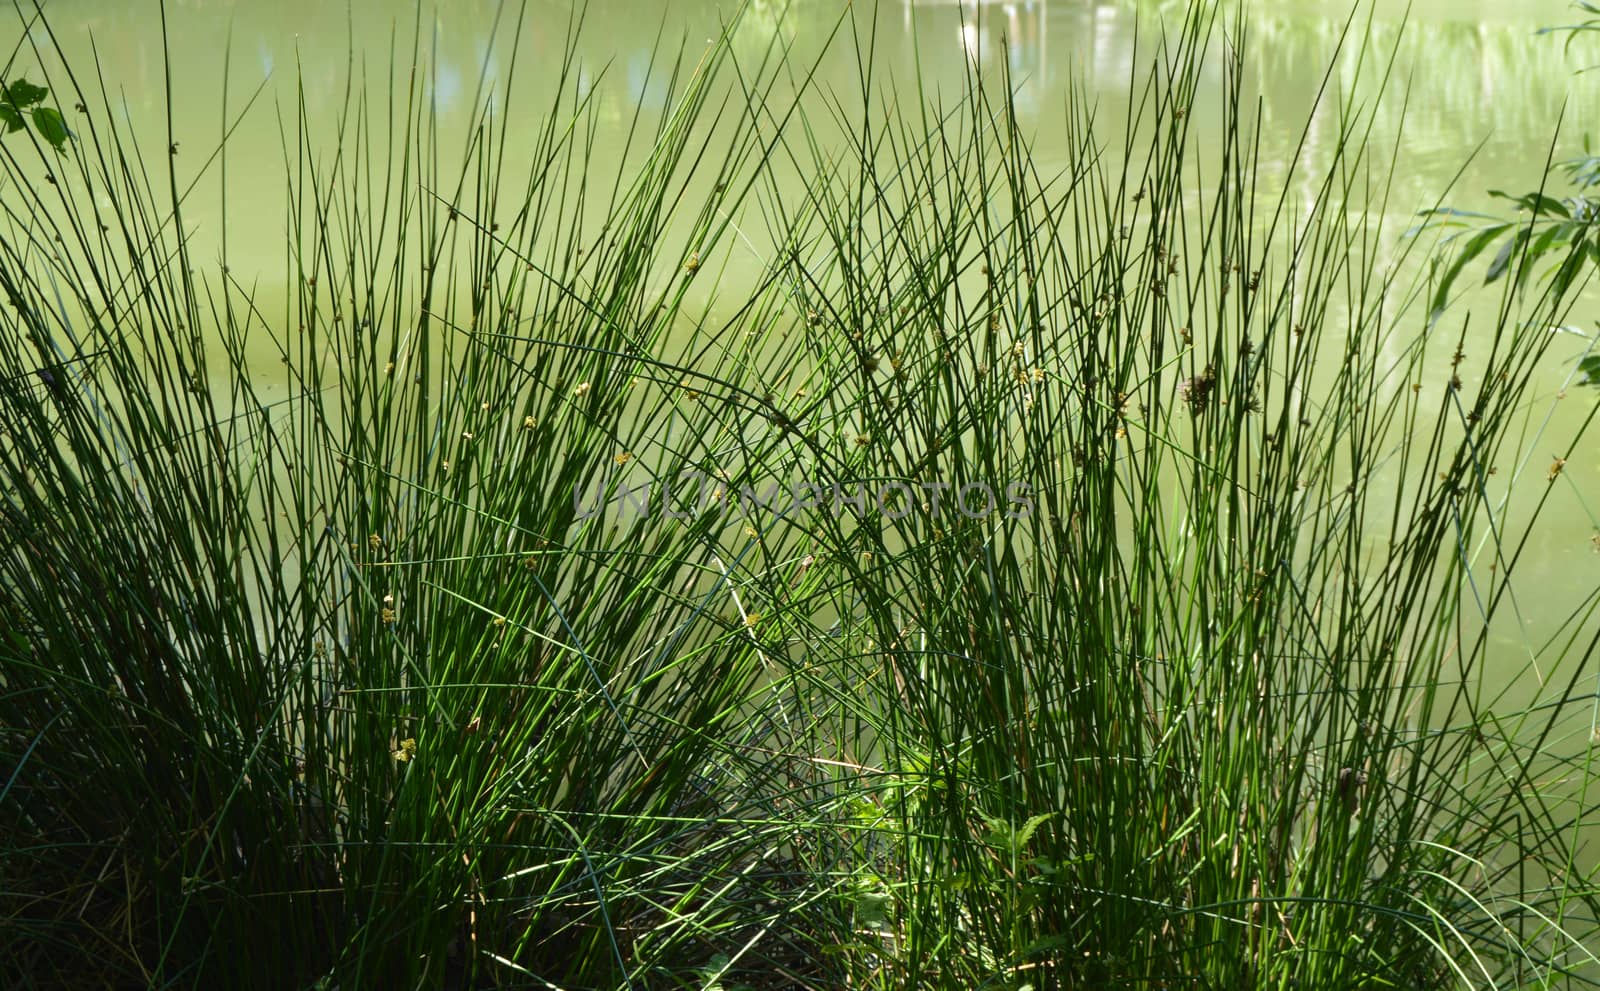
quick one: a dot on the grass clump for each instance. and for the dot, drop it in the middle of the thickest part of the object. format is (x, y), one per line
(1073, 589)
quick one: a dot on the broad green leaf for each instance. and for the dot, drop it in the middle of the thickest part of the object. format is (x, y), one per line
(1502, 260)
(958, 881)
(1029, 828)
(10, 117)
(1590, 367)
(999, 831)
(51, 126)
(1472, 249)
(1544, 243)
(1548, 237)
(1445, 216)
(1545, 206)
(23, 94)
(1570, 267)
(1536, 202)
(872, 907)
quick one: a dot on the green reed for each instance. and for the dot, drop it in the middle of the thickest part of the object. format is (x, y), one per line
(344, 685)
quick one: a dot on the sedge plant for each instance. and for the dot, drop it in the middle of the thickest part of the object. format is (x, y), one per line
(364, 631)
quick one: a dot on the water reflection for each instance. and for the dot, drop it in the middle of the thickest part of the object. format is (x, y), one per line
(1475, 70)
(1472, 73)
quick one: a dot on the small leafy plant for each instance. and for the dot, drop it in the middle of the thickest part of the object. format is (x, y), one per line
(21, 102)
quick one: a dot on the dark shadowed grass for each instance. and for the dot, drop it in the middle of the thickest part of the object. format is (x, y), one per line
(368, 687)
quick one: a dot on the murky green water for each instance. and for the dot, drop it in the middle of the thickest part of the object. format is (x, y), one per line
(1475, 73)
(1474, 99)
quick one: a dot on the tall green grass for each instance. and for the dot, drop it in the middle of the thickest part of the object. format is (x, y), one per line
(341, 686)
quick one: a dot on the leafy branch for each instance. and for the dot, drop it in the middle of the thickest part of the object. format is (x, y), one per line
(21, 102)
(1555, 226)
(1563, 229)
